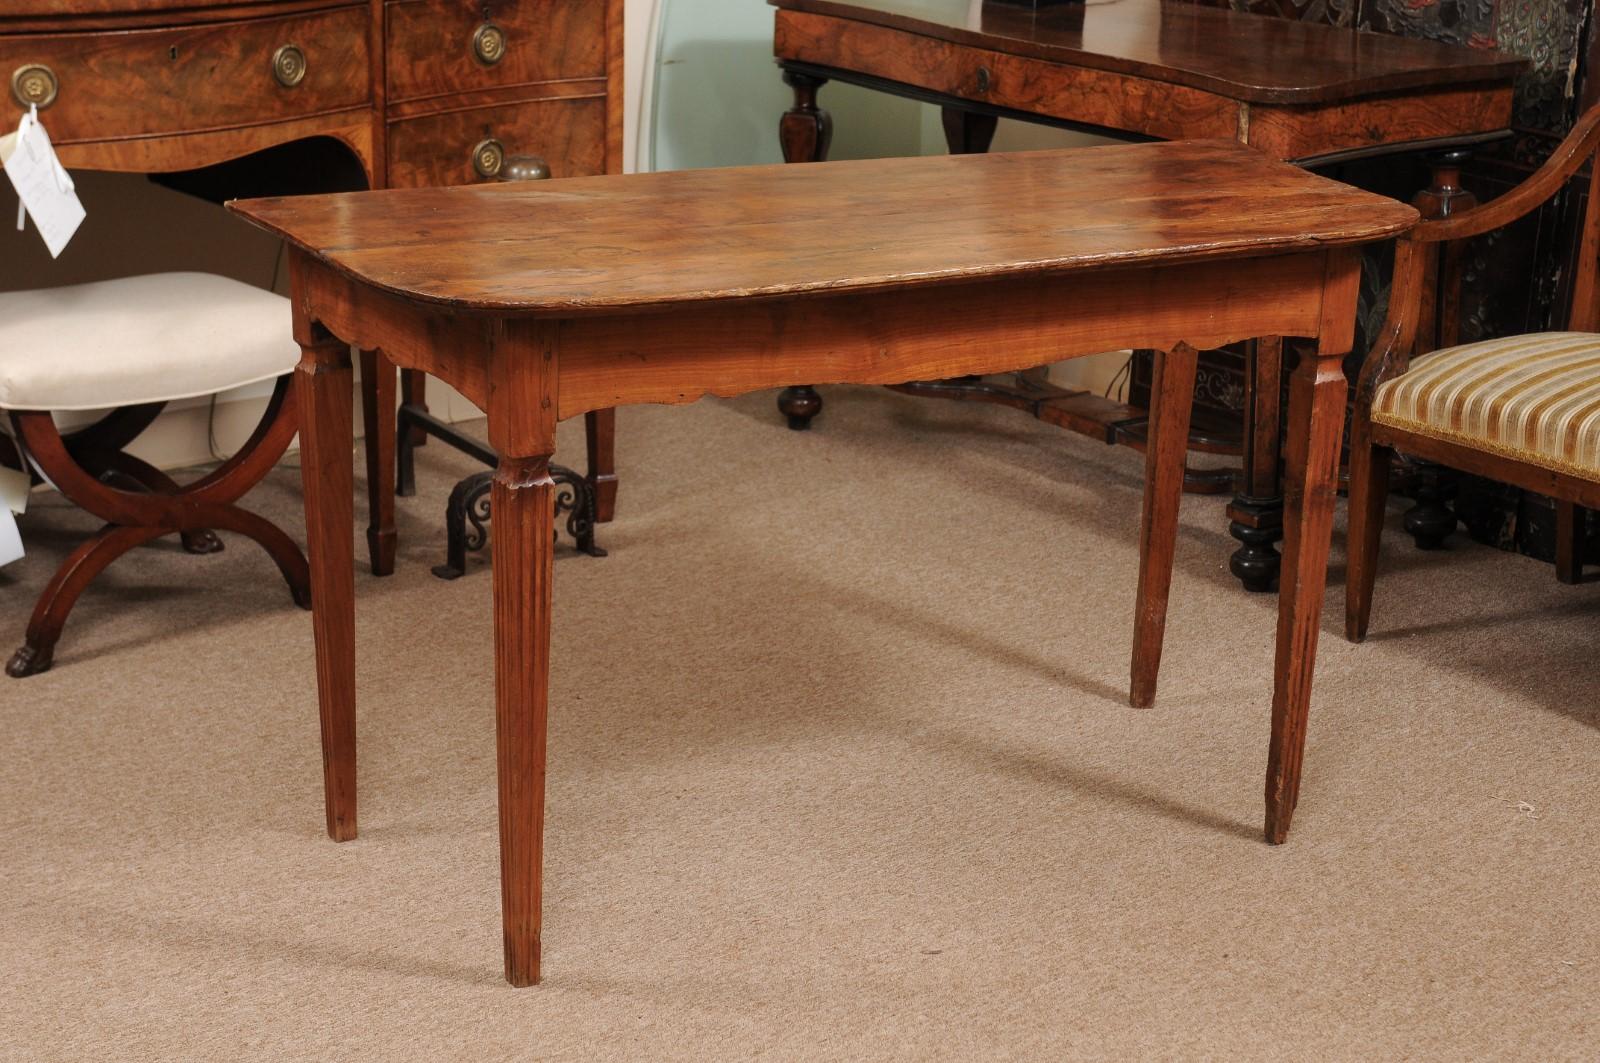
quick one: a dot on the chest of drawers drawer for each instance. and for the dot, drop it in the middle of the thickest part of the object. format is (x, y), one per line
(439, 47)
(216, 75)
(461, 147)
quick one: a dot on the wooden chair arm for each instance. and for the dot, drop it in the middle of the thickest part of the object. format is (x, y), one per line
(1546, 181)
(1397, 337)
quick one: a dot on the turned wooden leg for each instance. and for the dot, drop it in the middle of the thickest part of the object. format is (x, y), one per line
(1171, 400)
(1256, 514)
(967, 132)
(804, 132)
(1569, 542)
(323, 390)
(414, 396)
(600, 429)
(1369, 490)
(523, 501)
(378, 423)
(1316, 412)
(414, 392)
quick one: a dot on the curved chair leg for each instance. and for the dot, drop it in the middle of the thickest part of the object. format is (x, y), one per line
(290, 561)
(50, 614)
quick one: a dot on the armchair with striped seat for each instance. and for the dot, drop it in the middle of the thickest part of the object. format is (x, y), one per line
(1523, 410)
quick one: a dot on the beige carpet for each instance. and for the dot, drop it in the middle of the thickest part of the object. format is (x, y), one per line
(840, 769)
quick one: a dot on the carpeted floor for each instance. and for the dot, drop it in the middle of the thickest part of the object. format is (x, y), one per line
(840, 768)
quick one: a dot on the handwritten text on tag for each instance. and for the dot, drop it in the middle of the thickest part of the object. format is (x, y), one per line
(42, 183)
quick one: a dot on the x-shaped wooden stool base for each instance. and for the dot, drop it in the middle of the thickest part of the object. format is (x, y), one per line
(160, 507)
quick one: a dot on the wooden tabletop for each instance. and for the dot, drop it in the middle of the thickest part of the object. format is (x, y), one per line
(603, 244)
(1254, 58)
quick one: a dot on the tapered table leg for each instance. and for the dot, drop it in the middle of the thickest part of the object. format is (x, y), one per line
(1316, 412)
(1171, 401)
(323, 391)
(523, 500)
(378, 417)
(600, 429)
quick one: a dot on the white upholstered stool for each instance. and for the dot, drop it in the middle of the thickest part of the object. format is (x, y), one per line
(130, 346)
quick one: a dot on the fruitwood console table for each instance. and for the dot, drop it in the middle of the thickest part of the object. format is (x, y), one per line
(543, 303)
(1143, 69)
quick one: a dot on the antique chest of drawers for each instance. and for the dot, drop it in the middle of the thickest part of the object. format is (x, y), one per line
(419, 91)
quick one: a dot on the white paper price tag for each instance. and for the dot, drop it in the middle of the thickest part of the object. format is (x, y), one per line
(43, 185)
(14, 486)
(10, 538)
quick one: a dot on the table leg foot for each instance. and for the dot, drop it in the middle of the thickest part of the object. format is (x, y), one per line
(800, 404)
(1257, 523)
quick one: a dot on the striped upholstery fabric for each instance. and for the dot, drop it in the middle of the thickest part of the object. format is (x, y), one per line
(1534, 398)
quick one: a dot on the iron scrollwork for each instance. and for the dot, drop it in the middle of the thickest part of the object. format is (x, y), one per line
(467, 516)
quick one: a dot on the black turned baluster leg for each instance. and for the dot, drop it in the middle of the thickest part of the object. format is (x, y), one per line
(1255, 517)
(1430, 521)
(967, 132)
(804, 132)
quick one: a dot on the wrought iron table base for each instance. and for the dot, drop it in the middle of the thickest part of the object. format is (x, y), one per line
(469, 500)
(469, 505)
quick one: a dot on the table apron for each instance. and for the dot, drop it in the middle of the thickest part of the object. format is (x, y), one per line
(931, 331)
(919, 332)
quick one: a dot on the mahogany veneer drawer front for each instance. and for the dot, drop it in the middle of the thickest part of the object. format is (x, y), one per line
(460, 147)
(111, 86)
(437, 48)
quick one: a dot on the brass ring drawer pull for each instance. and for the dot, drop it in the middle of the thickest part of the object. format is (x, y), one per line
(489, 44)
(489, 157)
(289, 65)
(525, 168)
(34, 85)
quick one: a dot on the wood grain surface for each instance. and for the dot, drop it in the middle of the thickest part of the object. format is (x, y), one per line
(563, 248)
(1247, 57)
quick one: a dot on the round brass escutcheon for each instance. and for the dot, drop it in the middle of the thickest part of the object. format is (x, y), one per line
(289, 65)
(985, 79)
(489, 157)
(34, 85)
(489, 44)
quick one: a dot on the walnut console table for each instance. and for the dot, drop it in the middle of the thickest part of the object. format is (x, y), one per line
(543, 303)
(417, 92)
(1143, 69)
